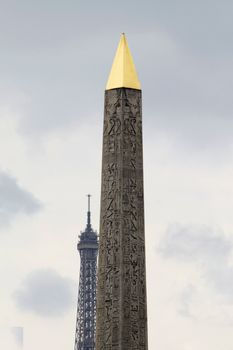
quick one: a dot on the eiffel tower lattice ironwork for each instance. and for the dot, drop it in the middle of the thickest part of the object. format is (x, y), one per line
(86, 312)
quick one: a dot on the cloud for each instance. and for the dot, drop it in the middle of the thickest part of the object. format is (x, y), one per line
(11, 338)
(18, 335)
(185, 69)
(15, 200)
(186, 298)
(220, 279)
(206, 247)
(195, 243)
(45, 293)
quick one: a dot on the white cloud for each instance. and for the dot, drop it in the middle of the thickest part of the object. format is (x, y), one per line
(15, 200)
(45, 293)
(8, 339)
(18, 335)
(206, 247)
(195, 243)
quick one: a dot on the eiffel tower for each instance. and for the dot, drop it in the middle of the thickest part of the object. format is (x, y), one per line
(86, 313)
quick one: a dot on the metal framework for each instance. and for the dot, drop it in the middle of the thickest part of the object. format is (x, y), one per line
(86, 312)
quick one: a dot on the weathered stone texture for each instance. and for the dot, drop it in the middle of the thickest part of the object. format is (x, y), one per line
(121, 292)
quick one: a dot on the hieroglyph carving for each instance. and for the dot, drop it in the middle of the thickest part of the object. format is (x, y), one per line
(121, 294)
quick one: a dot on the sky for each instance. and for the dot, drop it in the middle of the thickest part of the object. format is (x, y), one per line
(54, 64)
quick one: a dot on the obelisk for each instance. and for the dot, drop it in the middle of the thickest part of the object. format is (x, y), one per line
(121, 287)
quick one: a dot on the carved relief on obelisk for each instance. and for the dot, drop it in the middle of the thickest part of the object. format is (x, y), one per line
(121, 291)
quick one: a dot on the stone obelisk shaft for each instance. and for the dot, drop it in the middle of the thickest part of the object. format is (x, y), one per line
(121, 290)
(121, 296)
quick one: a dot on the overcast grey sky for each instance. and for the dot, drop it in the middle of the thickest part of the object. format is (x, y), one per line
(54, 63)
